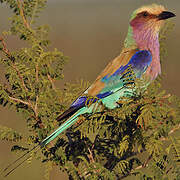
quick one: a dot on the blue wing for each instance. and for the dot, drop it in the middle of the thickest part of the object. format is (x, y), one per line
(116, 84)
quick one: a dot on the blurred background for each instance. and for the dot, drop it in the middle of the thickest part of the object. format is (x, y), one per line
(90, 33)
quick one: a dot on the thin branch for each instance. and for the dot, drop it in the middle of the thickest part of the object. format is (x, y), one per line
(37, 73)
(6, 51)
(145, 164)
(37, 98)
(20, 101)
(169, 170)
(91, 158)
(36, 106)
(175, 129)
(171, 132)
(20, 77)
(21, 7)
(52, 82)
(4, 48)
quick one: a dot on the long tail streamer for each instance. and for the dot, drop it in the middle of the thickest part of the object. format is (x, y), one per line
(18, 162)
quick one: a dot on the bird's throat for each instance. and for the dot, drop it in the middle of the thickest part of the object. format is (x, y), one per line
(146, 39)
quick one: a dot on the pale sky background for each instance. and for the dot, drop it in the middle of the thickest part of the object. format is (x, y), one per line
(91, 33)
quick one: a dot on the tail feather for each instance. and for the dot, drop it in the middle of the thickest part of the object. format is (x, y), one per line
(18, 162)
(62, 128)
(14, 168)
(9, 169)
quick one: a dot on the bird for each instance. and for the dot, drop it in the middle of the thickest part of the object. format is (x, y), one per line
(139, 58)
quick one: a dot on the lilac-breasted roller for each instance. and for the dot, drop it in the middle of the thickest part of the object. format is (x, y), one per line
(140, 54)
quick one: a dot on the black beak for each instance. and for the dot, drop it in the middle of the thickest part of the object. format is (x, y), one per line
(166, 15)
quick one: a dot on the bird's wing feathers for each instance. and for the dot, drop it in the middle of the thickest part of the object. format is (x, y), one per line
(118, 70)
(68, 113)
(115, 64)
(98, 85)
(116, 76)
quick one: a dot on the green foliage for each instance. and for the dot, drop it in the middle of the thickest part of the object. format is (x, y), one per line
(9, 134)
(136, 139)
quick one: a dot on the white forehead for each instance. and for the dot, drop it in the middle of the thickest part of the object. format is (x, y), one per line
(152, 9)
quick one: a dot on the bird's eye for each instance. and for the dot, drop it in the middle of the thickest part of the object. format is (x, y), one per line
(145, 14)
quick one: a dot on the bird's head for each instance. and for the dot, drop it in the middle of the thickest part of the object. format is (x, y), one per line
(143, 33)
(145, 24)
(150, 17)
